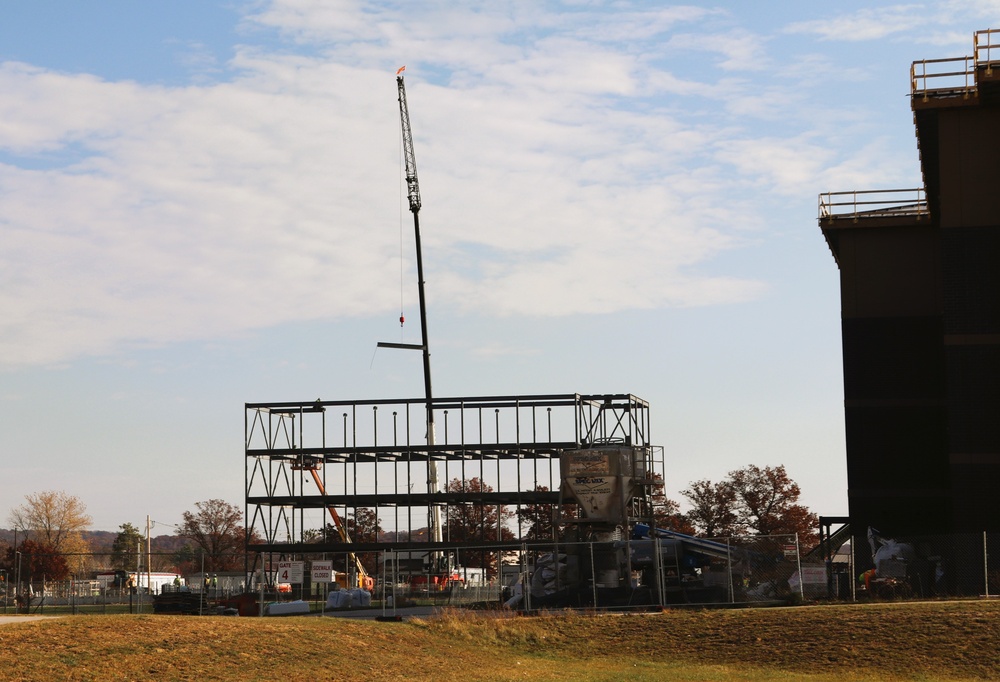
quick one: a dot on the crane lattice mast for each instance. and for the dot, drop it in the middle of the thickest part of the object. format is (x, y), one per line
(413, 195)
(412, 186)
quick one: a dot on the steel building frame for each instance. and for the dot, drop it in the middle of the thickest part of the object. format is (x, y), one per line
(305, 458)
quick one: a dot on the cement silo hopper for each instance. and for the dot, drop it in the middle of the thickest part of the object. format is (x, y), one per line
(603, 481)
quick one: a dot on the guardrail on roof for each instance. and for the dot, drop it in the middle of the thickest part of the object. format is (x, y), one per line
(938, 76)
(983, 44)
(873, 203)
(956, 75)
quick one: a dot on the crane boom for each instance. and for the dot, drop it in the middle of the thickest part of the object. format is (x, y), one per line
(412, 186)
(413, 194)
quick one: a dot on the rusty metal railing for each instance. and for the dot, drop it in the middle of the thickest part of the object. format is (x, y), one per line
(937, 76)
(983, 43)
(956, 75)
(873, 203)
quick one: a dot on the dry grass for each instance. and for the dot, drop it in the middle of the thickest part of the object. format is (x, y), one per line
(930, 641)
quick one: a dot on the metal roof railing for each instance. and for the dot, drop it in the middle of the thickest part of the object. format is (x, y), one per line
(983, 44)
(938, 76)
(956, 75)
(873, 203)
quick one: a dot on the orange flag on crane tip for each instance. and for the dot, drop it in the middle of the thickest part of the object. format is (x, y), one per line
(400, 70)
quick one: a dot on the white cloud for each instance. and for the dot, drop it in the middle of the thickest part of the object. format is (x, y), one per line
(787, 166)
(736, 50)
(561, 173)
(865, 24)
(988, 10)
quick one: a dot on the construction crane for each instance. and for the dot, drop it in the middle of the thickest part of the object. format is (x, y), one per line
(413, 195)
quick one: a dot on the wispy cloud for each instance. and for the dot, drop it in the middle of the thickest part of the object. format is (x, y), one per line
(567, 167)
(865, 24)
(735, 50)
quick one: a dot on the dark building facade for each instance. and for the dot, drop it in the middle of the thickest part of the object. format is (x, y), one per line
(920, 300)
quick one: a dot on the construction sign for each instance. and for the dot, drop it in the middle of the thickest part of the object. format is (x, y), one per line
(322, 571)
(291, 571)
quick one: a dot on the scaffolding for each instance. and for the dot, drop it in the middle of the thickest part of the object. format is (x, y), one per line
(305, 460)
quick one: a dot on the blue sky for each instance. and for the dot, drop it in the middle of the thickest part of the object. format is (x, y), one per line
(201, 205)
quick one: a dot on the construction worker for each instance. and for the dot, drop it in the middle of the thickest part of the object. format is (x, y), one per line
(867, 578)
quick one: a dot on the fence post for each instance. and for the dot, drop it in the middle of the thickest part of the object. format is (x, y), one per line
(395, 580)
(260, 584)
(204, 585)
(850, 574)
(628, 559)
(525, 580)
(385, 600)
(729, 568)
(657, 568)
(798, 566)
(593, 573)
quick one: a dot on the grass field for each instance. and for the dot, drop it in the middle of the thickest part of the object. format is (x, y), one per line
(908, 641)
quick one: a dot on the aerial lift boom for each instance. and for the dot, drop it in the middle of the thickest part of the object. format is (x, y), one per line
(364, 580)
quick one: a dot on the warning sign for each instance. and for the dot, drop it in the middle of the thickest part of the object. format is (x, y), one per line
(322, 571)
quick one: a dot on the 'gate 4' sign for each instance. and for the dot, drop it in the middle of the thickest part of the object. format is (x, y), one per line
(290, 571)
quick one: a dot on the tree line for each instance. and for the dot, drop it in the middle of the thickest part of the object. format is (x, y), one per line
(753, 500)
(50, 540)
(748, 501)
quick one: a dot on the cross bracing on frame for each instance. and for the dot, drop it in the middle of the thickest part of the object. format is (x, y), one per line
(304, 459)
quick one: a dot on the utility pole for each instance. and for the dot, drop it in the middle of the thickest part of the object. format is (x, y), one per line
(149, 566)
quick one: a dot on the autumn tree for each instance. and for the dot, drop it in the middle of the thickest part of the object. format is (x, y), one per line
(752, 500)
(363, 525)
(216, 529)
(767, 503)
(476, 522)
(315, 536)
(38, 561)
(77, 551)
(51, 518)
(537, 517)
(713, 509)
(666, 512)
(186, 560)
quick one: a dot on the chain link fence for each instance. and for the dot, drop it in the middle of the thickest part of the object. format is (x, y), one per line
(610, 574)
(98, 585)
(651, 572)
(916, 567)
